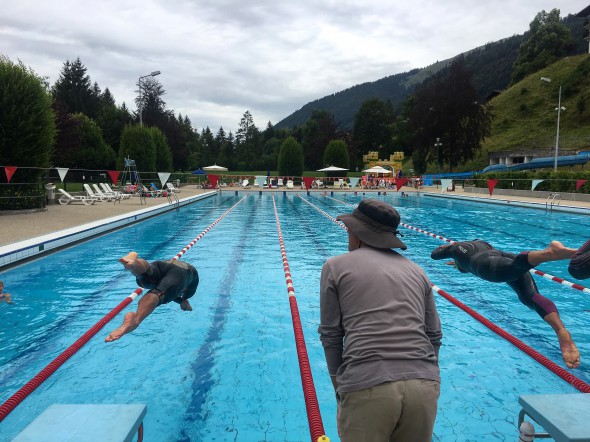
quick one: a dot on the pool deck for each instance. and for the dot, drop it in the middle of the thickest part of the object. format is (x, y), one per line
(16, 227)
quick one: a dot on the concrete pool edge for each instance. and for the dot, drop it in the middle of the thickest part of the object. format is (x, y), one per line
(18, 252)
(528, 204)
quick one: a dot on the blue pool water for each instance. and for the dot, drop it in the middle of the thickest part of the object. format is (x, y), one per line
(228, 370)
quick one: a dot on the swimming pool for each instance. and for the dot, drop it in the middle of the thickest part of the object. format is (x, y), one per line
(228, 370)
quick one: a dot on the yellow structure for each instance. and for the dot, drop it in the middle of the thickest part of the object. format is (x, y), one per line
(395, 161)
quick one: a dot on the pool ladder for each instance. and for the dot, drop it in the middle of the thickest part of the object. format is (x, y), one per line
(173, 199)
(552, 199)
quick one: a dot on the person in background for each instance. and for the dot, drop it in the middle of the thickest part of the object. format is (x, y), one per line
(484, 261)
(167, 281)
(5, 296)
(579, 266)
(381, 333)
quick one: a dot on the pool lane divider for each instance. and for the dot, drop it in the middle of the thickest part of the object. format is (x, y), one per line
(44, 374)
(316, 426)
(546, 362)
(559, 280)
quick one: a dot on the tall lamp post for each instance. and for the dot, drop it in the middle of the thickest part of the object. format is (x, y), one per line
(152, 74)
(438, 145)
(559, 108)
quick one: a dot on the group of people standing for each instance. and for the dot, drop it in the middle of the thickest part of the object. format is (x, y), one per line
(380, 327)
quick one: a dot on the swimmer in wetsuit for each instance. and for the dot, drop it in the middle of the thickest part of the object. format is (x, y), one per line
(167, 281)
(579, 266)
(481, 259)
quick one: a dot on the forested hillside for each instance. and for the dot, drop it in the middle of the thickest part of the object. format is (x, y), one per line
(490, 64)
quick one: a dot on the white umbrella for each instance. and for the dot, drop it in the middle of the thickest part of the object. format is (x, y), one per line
(215, 168)
(331, 169)
(377, 169)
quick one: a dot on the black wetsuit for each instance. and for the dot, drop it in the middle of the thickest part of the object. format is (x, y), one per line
(170, 280)
(481, 259)
(579, 266)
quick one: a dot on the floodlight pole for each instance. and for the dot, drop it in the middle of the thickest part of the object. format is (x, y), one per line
(139, 84)
(558, 109)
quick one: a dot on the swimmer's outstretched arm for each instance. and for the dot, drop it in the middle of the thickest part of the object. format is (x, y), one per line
(135, 264)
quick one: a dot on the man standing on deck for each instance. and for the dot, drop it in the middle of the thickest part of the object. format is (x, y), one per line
(381, 333)
(484, 261)
(170, 280)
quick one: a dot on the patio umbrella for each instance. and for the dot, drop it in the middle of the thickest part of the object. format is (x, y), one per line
(331, 169)
(215, 168)
(377, 169)
(199, 172)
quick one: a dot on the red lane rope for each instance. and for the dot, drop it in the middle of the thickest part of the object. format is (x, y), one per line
(30, 386)
(568, 377)
(316, 427)
(194, 241)
(548, 363)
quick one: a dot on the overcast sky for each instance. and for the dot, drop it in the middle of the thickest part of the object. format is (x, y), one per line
(220, 58)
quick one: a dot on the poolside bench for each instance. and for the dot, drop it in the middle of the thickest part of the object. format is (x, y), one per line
(564, 416)
(85, 423)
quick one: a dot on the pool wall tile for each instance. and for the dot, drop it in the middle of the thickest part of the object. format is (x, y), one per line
(12, 254)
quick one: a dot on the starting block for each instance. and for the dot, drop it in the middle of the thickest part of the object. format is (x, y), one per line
(563, 416)
(86, 423)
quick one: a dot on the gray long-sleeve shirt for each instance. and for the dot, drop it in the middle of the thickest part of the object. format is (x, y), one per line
(379, 321)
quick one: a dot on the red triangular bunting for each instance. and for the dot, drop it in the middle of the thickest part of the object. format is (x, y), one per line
(492, 184)
(9, 172)
(308, 180)
(399, 183)
(579, 184)
(213, 180)
(114, 175)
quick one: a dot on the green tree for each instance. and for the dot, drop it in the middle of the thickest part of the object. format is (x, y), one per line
(248, 147)
(336, 154)
(111, 120)
(73, 89)
(319, 129)
(290, 158)
(150, 103)
(27, 126)
(163, 154)
(549, 39)
(91, 151)
(137, 144)
(373, 126)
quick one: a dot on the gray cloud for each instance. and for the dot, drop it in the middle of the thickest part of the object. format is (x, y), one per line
(221, 58)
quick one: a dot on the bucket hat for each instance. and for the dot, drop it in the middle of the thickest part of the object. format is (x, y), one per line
(375, 223)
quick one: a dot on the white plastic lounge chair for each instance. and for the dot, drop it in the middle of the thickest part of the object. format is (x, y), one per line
(246, 184)
(171, 188)
(280, 182)
(92, 195)
(109, 190)
(290, 184)
(66, 198)
(98, 191)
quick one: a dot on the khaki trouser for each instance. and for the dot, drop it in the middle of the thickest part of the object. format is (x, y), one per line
(401, 411)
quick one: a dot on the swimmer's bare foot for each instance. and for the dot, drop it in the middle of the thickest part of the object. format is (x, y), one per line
(125, 328)
(184, 305)
(559, 251)
(571, 355)
(554, 252)
(129, 260)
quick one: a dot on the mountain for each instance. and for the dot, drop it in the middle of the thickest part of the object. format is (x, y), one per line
(490, 64)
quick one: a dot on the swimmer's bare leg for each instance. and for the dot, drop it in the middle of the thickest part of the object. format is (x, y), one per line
(554, 252)
(569, 351)
(131, 321)
(134, 264)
